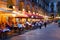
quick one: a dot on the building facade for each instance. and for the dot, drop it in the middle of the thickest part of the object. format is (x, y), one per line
(28, 5)
(53, 6)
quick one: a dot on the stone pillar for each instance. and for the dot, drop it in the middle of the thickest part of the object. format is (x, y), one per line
(37, 1)
(17, 2)
(55, 8)
(25, 3)
(49, 7)
(41, 3)
(30, 5)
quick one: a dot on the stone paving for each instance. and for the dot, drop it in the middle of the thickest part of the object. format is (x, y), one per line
(51, 32)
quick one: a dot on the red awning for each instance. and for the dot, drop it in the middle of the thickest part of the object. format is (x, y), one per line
(39, 17)
(29, 14)
(22, 15)
(34, 15)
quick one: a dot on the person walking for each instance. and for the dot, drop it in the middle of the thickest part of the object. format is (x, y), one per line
(40, 24)
(45, 24)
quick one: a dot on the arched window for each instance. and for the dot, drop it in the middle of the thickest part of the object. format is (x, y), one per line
(9, 4)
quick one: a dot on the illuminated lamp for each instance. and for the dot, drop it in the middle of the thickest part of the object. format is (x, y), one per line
(14, 12)
(13, 7)
(20, 12)
(39, 14)
(36, 13)
(14, 15)
(33, 12)
(32, 16)
(29, 11)
(23, 10)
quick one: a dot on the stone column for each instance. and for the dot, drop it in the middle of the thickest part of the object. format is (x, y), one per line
(25, 3)
(55, 8)
(37, 1)
(17, 2)
(30, 5)
(49, 7)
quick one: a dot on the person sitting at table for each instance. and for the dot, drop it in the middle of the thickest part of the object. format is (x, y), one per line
(4, 28)
(19, 25)
(7, 26)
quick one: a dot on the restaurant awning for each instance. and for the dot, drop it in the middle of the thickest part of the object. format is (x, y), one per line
(34, 16)
(21, 15)
(28, 14)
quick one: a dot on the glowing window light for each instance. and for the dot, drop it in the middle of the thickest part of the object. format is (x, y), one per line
(23, 10)
(20, 12)
(36, 13)
(33, 12)
(46, 17)
(14, 12)
(13, 7)
(41, 15)
(32, 16)
(14, 15)
(29, 11)
(57, 17)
